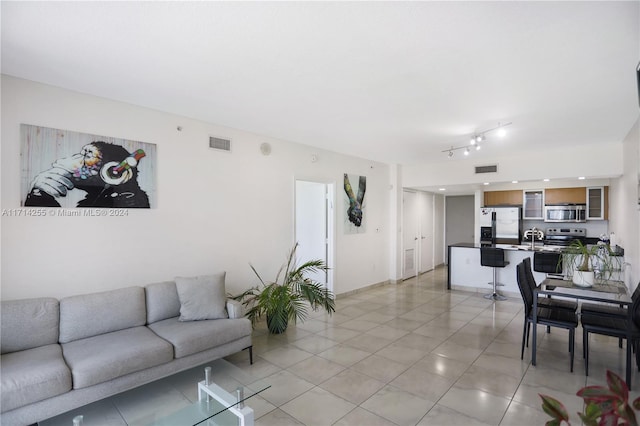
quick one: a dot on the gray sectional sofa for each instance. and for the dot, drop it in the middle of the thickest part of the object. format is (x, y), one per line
(58, 355)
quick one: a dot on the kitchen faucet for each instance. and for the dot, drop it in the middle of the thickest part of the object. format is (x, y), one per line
(534, 233)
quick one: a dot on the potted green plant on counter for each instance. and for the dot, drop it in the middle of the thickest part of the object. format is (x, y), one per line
(288, 301)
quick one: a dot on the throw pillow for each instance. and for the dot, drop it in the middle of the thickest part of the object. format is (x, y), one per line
(202, 297)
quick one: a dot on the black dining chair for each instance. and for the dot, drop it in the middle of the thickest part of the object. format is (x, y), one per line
(547, 302)
(609, 323)
(561, 318)
(608, 310)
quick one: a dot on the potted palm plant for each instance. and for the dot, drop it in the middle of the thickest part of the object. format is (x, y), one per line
(282, 302)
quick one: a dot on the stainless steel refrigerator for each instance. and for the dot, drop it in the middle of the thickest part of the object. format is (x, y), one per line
(506, 223)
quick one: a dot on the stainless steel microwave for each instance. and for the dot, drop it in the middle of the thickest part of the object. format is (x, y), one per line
(566, 213)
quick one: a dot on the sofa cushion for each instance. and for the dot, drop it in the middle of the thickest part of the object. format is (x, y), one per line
(202, 297)
(29, 323)
(190, 337)
(98, 313)
(101, 358)
(33, 375)
(162, 301)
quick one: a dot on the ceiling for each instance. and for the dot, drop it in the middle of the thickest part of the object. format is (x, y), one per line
(395, 82)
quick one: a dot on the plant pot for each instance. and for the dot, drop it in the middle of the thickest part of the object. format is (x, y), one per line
(583, 278)
(275, 327)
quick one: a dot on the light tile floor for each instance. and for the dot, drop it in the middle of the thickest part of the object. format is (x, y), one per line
(406, 354)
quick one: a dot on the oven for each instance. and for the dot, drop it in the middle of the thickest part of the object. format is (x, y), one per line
(564, 236)
(565, 213)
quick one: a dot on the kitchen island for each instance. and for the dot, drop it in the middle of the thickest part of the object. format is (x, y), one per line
(466, 272)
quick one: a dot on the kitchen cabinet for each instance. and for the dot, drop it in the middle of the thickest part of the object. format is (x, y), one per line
(565, 195)
(533, 204)
(503, 198)
(597, 203)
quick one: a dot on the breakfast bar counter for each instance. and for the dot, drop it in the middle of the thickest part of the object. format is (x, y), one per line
(466, 272)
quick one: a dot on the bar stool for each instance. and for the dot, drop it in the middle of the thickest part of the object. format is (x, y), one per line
(494, 258)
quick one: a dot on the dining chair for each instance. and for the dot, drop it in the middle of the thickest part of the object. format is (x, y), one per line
(608, 310)
(608, 324)
(561, 318)
(547, 302)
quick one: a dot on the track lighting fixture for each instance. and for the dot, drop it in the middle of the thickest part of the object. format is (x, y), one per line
(477, 138)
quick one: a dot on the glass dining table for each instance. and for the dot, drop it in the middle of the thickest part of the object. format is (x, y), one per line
(611, 292)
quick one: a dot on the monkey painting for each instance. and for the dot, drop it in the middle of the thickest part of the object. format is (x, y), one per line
(106, 172)
(354, 212)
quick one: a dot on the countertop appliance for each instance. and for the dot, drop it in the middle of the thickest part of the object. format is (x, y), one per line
(564, 236)
(505, 221)
(565, 213)
(486, 236)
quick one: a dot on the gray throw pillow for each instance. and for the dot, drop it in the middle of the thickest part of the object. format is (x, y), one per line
(202, 297)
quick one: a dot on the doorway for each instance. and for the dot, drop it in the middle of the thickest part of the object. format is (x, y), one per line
(314, 226)
(409, 234)
(459, 219)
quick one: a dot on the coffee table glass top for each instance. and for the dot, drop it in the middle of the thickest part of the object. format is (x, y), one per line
(216, 407)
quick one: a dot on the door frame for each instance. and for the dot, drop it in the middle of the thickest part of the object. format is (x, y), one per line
(330, 196)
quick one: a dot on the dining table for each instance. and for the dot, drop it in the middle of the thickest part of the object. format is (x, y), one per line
(603, 291)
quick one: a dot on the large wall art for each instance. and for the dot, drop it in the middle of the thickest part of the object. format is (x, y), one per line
(62, 168)
(354, 203)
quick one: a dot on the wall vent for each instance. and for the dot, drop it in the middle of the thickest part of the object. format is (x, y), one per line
(220, 144)
(487, 169)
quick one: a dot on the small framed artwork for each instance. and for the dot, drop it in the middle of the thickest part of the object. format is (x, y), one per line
(355, 187)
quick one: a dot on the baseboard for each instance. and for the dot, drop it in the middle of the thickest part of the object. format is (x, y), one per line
(365, 288)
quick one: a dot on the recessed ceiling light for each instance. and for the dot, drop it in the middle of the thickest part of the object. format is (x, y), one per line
(441, 189)
(486, 183)
(546, 180)
(581, 178)
(514, 181)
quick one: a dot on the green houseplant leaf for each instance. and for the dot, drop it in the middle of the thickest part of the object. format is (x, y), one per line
(555, 409)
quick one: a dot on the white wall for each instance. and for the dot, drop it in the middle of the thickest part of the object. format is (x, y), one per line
(601, 160)
(624, 210)
(438, 225)
(216, 211)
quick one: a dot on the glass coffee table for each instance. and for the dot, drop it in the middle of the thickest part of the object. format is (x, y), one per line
(215, 407)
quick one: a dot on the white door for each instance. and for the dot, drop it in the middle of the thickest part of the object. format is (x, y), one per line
(314, 226)
(426, 232)
(409, 234)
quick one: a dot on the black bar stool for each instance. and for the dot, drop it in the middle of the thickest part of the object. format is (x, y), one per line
(494, 258)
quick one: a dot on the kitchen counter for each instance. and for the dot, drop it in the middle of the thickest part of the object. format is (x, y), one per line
(520, 247)
(466, 272)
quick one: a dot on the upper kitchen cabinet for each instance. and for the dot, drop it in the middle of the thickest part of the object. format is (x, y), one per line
(503, 198)
(533, 204)
(565, 196)
(597, 203)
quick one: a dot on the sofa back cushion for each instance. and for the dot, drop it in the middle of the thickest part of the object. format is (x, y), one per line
(98, 313)
(162, 301)
(29, 323)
